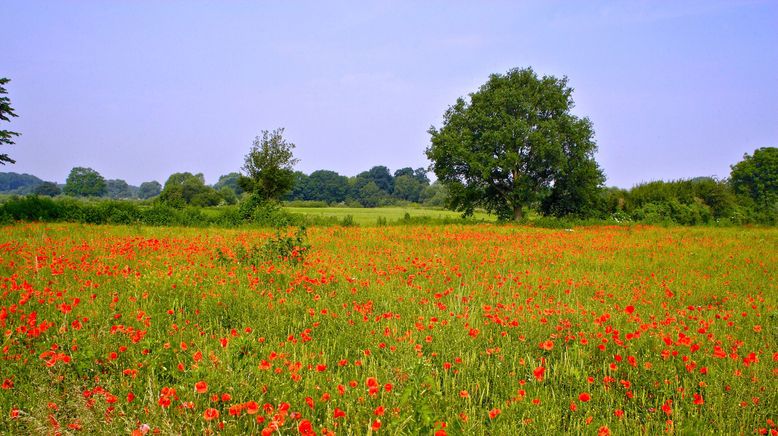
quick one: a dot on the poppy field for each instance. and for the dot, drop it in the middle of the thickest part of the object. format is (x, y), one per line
(478, 329)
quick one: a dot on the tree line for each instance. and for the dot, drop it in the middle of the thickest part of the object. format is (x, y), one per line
(375, 187)
(511, 146)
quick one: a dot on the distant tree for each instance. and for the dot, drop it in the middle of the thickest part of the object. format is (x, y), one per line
(421, 175)
(435, 195)
(149, 189)
(382, 178)
(117, 188)
(370, 195)
(407, 171)
(269, 166)
(756, 178)
(230, 181)
(6, 111)
(47, 188)
(18, 183)
(329, 186)
(300, 188)
(407, 187)
(228, 195)
(514, 143)
(182, 189)
(84, 182)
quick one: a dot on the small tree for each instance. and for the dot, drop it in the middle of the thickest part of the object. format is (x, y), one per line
(269, 166)
(6, 111)
(84, 182)
(756, 178)
(514, 144)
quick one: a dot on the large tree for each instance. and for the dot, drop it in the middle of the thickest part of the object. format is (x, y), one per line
(269, 166)
(756, 178)
(84, 182)
(6, 111)
(515, 143)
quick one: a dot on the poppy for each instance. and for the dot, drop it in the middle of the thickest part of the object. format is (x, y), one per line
(210, 414)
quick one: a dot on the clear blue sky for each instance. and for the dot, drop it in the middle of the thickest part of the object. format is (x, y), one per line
(141, 89)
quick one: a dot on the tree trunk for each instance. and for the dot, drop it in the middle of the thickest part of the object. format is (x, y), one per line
(517, 214)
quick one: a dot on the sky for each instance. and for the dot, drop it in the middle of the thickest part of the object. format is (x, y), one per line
(138, 90)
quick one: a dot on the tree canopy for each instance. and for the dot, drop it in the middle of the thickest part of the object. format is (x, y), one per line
(515, 143)
(269, 166)
(756, 177)
(6, 112)
(84, 182)
(149, 189)
(182, 189)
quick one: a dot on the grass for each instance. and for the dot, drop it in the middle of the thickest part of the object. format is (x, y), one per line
(456, 329)
(370, 216)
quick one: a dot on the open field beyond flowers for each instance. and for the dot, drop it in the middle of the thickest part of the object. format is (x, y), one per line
(477, 329)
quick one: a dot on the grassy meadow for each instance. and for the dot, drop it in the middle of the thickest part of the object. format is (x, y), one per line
(371, 216)
(476, 329)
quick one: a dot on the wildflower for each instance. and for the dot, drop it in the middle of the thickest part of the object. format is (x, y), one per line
(538, 373)
(210, 414)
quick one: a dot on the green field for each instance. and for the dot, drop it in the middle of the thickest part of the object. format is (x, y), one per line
(370, 216)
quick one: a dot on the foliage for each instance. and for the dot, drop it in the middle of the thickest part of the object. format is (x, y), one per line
(149, 189)
(407, 187)
(84, 182)
(687, 202)
(187, 189)
(47, 188)
(117, 188)
(329, 186)
(6, 112)
(292, 248)
(379, 175)
(256, 209)
(269, 166)
(370, 195)
(15, 183)
(228, 195)
(756, 178)
(516, 143)
(230, 181)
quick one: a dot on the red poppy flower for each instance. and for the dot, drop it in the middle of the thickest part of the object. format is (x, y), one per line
(538, 373)
(210, 414)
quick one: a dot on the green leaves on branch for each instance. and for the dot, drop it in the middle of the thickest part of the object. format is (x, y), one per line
(269, 166)
(6, 112)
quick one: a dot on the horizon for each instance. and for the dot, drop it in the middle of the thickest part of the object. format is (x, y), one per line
(141, 90)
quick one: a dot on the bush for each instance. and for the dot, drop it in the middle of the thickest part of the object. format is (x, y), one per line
(287, 248)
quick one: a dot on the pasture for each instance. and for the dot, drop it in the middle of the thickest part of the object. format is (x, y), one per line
(371, 216)
(476, 329)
